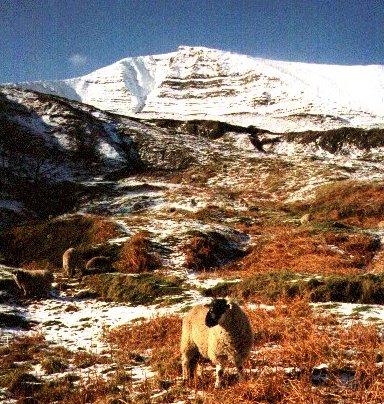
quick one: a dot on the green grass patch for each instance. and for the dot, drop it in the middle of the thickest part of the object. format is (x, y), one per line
(143, 289)
(366, 289)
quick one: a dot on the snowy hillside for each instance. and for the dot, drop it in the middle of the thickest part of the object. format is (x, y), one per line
(196, 82)
(47, 143)
(290, 224)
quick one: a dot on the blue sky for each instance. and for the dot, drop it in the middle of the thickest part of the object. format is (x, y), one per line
(56, 39)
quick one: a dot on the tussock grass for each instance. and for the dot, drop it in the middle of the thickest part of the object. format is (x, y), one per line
(39, 265)
(291, 341)
(206, 251)
(137, 255)
(18, 377)
(45, 242)
(53, 364)
(160, 335)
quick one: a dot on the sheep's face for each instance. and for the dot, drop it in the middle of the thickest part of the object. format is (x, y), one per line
(216, 309)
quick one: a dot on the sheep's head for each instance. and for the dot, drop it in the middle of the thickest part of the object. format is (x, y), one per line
(216, 309)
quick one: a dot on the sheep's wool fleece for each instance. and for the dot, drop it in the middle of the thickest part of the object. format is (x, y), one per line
(232, 336)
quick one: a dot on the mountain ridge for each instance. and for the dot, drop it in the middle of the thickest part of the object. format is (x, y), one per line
(203, 83)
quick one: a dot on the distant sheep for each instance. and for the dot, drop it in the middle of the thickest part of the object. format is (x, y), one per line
(219, 331)
(97, 264)
(305, 219)
(33, 283)
(71, 262)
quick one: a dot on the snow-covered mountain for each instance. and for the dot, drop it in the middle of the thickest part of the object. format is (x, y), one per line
(197, 82)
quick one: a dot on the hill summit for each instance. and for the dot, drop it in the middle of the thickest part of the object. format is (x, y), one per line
(203, 83)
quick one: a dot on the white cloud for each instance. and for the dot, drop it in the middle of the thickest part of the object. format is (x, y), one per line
(78, 59)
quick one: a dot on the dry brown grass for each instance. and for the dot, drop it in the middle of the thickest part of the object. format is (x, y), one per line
(137, 255)
(200, 254)
(286, 249)
(17, 375)
(40, 265)
(358, 203)
(102, 230)
(160, 335)
(21, 349)
(291, 341)
(157, 333)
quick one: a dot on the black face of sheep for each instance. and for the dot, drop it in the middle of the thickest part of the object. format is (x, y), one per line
(216, 309)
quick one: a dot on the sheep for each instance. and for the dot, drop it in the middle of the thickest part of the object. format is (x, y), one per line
(33, 283)
(218, 331)
(305, 219)
(71, 261)
(97, 264)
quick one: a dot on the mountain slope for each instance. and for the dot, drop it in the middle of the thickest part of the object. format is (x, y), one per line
(52, 150)
(49, 145)
(196, 82)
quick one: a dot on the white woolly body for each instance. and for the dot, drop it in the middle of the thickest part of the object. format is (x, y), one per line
(34, 283)
(71, 261)
(231, 339)
(99, 262)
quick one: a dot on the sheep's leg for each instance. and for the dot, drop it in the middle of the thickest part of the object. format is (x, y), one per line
(239, 363)
(189, 363)
(192, 367)
(219, 375)
(186, 367)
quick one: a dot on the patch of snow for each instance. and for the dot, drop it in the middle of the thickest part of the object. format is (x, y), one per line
(353, 312)
(109, 152)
